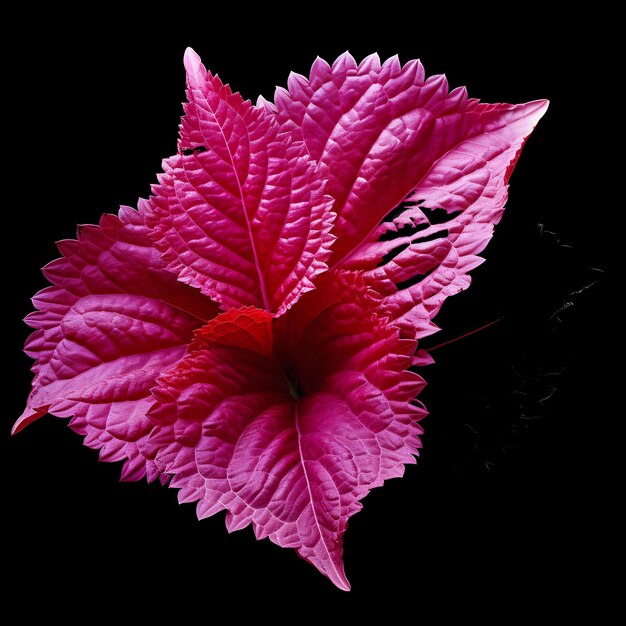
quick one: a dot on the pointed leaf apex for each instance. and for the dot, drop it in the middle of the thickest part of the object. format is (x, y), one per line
(338, 577)
(542, 107)
(193, 65)
(28, 417)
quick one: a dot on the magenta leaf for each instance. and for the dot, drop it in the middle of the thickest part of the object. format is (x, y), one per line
(290, 441)
(240, 212)
(114, 319)
(224, 337)
(388, 134)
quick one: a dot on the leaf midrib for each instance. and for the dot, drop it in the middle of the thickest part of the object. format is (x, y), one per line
(264, 295)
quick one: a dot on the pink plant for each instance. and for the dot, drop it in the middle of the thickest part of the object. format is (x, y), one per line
(251, 331)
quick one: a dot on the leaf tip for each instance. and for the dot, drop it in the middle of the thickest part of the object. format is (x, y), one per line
(339, 580)
(193, 63)
(26, 418)
(542, 107)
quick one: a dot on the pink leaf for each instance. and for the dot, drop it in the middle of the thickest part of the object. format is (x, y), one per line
(290, 442)
(385, 133)
(240, 212)
(113, 320)
(289, 406)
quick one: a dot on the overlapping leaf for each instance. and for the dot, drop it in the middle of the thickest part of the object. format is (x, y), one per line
(112, 321)
(240, 212)
(403, 152)
(291, 441)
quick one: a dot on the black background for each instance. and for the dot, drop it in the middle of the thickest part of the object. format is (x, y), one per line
(502, 513)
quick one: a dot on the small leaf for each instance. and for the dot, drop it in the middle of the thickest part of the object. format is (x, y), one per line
(247, 328)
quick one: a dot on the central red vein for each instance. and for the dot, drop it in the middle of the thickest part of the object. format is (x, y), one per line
(266, 301)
